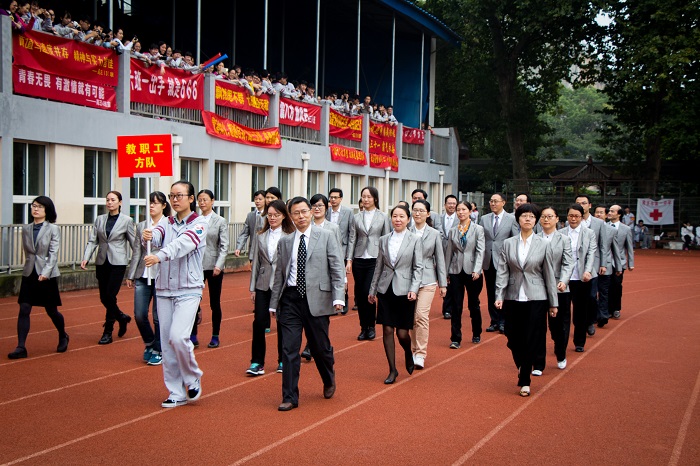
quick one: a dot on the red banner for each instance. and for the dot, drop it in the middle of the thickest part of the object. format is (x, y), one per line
(47, 53)
(228, 94)
(147, 153)
(382, 146)
(72, 91)
(295, 113)
(231, 131)
(413, 136)
(174, 88)
(345, 127)
(348, 155)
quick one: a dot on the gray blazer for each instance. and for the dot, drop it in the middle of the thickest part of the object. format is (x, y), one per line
(587, 251)
(42, 256)
(137, 266)
(217, 243)
(325, 271)
(614, 259)
(434, 269)
(469, 258)
(625, 244)
(536, 275)
(404, 276)
(345, 222)
(444, 233)
(507, 228)
(113, 248)
(601, 234)
(263, 269)
(253, 224)
(333, 228)
(562, 259)
(362, 240)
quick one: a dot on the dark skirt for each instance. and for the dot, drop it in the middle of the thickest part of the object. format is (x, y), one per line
(36, 293)
(395, 311)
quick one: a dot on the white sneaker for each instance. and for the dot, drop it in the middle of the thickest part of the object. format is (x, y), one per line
(537, 372)
(561, 364)
(170, 403)
(419, 362)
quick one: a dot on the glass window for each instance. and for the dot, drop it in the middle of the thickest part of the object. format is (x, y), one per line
(97, 178)
(138, 194)
(259, 183)
(283, 182)
(355, 187)
(312, 184)
(190, 171)
(222, 191)
(29, 178)
(332, 182)
(392, 192)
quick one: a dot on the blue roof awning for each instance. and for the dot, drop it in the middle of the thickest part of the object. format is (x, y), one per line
(424, 19)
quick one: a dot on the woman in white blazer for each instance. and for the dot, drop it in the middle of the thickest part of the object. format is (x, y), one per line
(112, 236)
(395, 284)
(434, 277)
(278, 223)
(363, 248)
(525, 290)
(213, 264)
(40, 241)
(465, 256)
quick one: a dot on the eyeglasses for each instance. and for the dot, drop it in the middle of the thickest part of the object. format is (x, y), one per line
(301, 213)
(274, 216)
(495, 201)
(318, 206)
(548, 217)
(335, 197)
(528, 216)
(37, 206)
(420, 211)
(178, 196)
(575, 216)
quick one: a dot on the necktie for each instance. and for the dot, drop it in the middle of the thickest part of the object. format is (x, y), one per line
(301, 267)
(495, 226)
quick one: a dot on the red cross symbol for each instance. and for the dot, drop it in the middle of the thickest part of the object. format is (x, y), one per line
(656, 215)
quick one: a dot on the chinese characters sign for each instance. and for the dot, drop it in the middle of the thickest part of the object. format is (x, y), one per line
(413, 136)
(348, 155)
(231, 131)
(230, 95)
(295, 113)
(382, 146)
(173, 88)
(345, 127)
(655, 212)
(149, 153)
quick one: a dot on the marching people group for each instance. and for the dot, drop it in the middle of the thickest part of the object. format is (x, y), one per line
(542, 268)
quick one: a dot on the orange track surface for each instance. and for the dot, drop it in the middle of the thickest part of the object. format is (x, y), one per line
(631, 398)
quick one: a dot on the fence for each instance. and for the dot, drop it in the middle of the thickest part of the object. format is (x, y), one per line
(440, 149)
(299, 133)
(73, 241)
(183, 115)
(345, 142)
(249, 119)
(413, 151)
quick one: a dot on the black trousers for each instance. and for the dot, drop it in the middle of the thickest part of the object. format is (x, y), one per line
(109, 279)
(215, 285)
(447, 303)
(603, 297)
(525, 328)
(581, 303)
(362, 272)
(496, 315)
(458, 283)
(615, 295)
(593, 302)
(559, 328)
(294, 316)
(261, 321)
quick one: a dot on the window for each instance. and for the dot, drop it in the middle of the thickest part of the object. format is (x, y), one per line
(312, 184)
(283, 182)
(29, 179)
(333, 180)
(258, 183)
(138, 194)
(392, 192)
(374, 182)
(97, 183)
(355, 187)
(190, 171)
(222, 190)
(406, 191)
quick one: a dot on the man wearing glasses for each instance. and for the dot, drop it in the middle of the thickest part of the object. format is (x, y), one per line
(341, 216)
(498, 226)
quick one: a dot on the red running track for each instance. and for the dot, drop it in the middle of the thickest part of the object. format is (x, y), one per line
(631, 398)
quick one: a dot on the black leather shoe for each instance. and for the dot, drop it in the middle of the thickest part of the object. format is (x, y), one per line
(306, 354)
(591, 330)
(123, 321)
(106, 339)
(410, 365)
(447, 316)
(287, 406)
(18, 353)
(579, 349)
(63, 344)
(492, 328)
(392, 378)
(344, 311)
(329, 391)
(602, 323)
(476, 339)
(363, 335)
(501, 329)
(371, 334)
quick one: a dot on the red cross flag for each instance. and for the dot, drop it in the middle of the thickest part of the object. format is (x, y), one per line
(655, 212)
(147, 154)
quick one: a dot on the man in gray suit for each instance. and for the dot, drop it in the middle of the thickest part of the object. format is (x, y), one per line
(253, 223)
(625, 244)
(498, 226)
(308, 287)
(612, 262)
(341, 216)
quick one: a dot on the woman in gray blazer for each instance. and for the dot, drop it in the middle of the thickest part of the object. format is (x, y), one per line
(159, 210)
(213, 264)
(40, 241)
(465, 256)
(112, 236)
(434, 277)
(277, 224)
(363, 248)
(525, 290)
(395, 284)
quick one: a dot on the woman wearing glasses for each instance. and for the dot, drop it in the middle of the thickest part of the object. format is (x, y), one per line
(526, 290)
(40, 241)
(111, 235)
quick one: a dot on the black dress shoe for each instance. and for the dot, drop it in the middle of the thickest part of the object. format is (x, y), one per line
(501, 329)
(392, 378)
(18, 353)
(363, 335)
(602, 323)
(579, 349)
(410, 365)
(329, 391)
(287, 406)
(123, 321)
(62, 343)
(354, 308)
(106, 339)
(476, 339)
(591, 330)
(371, 334)
(492, 328)
(306, 354)
(447, 316)
(344, 311)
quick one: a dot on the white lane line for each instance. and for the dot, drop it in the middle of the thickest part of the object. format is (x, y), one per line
(683, 430)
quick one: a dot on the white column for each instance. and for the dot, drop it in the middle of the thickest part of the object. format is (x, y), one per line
(422, 74)
(387, 171)
(357, 76)
(177, 141)
(305, 157)
(441, 191)
(318, 47)
(393, 57)
(265, 38)
(199, 30)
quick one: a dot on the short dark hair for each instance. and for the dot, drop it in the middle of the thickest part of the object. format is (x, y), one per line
(531, 208)
(373, 192)
(190, 192)
(287, 224)
(583, 195)
(208, 193)
(275, 191)
(452, 196)
(601, 206)
(49, 208)
(319, 197)
(425, 195)
(552, 208)
(402, 207)
(160, 198)
(503, 198)
(576, 207)
(425, 203)
(299, 200)
(259, 192)
(527, 197)
(335, 190)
